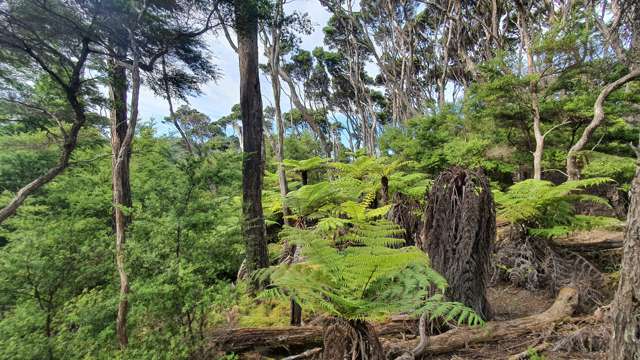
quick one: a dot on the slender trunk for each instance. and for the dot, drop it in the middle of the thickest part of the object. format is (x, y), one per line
(305, 177)
(122, 133)
(276, 86)
(625, 339)
(533, 90)
(237, 128)
(253, 227)
(441, 89)
(573, 172)
(282, 176)
(24, 192)
(537, 154)
(48, 333)
(336, 144)
(172, 113)
(118, 92)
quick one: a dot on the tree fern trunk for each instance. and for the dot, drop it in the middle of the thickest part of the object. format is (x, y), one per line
(296, 313)
(351, 339)
(458, 234)
(384, 190)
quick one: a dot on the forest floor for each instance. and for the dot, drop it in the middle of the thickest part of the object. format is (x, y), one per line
(510, 302)
(581, 336)
(578, 337)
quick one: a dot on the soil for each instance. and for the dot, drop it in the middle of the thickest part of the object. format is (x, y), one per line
(510, 302)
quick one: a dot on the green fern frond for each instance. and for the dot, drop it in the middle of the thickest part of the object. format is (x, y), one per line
(544, 208)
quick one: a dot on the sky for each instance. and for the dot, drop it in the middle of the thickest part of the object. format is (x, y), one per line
(218, 97)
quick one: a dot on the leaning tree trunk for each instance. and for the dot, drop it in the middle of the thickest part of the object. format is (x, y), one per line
(351, 339)
(458, 234)
(625, 340)
(573, 171)
(253, 227)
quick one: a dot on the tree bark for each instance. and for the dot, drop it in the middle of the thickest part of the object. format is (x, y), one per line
(253, 228)
(118, 89)
(352, 339)
(296, 313)
(246, 339)
(274, 62)
(384, 190)
(458, 233)
(122, 133)
(573, 171)
(625, 339)
(533, 90)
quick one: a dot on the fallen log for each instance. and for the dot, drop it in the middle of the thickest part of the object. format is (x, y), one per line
(459, 338)
(263, 339)
(593, 240)
(304, 337)
(260, 339)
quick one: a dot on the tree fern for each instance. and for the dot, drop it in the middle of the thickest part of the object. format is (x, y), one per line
(350, 272)
(306, 164)
(548, 209)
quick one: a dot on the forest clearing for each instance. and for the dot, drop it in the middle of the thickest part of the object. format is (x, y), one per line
(320, 179)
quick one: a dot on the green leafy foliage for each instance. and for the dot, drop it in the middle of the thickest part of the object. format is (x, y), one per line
(547, 209)
(183, 247)
(619, 168)
(350, 271)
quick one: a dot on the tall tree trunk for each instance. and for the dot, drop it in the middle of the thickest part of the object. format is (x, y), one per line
(274, 62)
(625, 340)
(533, 89)
(118, 89)
(276, 86)
(253, 228)
(573, 172)
(122, 133)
